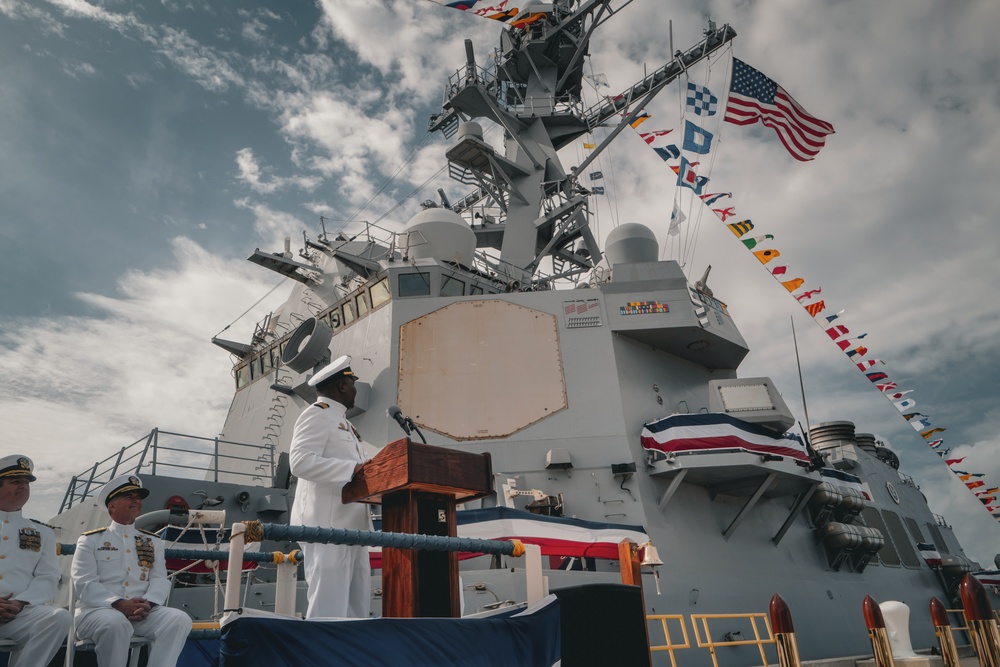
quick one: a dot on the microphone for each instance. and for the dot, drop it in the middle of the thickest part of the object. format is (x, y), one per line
(397, 414)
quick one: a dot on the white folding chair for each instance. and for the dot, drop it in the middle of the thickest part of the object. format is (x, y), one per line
(134, 648)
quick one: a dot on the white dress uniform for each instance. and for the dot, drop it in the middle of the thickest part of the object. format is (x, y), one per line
(29, 573)
(324, 451)
(115, 563)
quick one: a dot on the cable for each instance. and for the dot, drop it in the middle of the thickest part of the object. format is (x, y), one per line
(280, 283)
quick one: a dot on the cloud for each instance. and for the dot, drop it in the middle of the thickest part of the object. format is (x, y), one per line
(272, 226)
(92, 384)
(251, 173)
(208, 67)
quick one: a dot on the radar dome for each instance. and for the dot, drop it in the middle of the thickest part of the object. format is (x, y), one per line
(469, 128)
(439, 233)
(631, 243)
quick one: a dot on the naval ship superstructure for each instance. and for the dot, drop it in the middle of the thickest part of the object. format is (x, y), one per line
(498, 324)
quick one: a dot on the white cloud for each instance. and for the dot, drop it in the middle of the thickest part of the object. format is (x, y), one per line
(253, 175)
(208, 67)
(82, 387)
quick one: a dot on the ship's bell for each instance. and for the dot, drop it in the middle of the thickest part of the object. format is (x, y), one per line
(650, 557)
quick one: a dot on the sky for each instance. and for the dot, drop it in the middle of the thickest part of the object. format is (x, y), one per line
(148, 147)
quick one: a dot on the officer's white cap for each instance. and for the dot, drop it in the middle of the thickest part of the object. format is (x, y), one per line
(16, 465)
(339, 367)
(119, 485)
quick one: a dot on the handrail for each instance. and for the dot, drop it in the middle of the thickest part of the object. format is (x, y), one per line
(148, 453)
(670, 646)
(711, 645)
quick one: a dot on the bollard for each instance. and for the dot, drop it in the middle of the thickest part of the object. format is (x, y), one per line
(784, 633)
(877, 633)
(946, 638)
(982, 624)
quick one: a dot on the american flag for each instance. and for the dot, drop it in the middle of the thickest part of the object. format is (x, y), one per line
(753, 97)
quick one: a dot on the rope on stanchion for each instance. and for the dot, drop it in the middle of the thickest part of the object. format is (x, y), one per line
(317, 535)
(257, 532)
(254, 531)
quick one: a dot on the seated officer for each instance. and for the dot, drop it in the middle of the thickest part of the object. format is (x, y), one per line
(29, 573)
(120, 579)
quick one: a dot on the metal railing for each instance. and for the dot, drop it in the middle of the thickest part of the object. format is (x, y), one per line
(180, 452)
(729, 641)
(669, 645)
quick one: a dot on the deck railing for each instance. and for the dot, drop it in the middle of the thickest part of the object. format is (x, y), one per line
(165, 452)
(669, 644)
(731, 638)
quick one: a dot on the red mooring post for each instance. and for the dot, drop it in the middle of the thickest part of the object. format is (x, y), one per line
(877, 632)
(942, 628)
(784, 633)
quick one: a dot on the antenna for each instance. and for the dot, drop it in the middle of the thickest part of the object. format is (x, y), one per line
(802, 387)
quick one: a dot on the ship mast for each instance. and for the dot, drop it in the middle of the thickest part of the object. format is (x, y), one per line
(534, 93)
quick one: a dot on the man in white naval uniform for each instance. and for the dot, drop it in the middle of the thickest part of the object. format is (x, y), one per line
(29, 572)
(325, 453)
(120, 579)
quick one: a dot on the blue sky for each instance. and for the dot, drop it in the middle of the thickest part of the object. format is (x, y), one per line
(146, 148)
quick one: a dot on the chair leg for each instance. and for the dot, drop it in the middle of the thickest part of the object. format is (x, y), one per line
(133, 660)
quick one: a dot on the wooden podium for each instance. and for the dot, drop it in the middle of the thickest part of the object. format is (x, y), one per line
(418, 487)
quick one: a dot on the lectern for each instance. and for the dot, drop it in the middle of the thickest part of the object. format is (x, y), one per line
(419, 487)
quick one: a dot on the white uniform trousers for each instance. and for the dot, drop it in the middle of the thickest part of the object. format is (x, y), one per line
(40, 630)
(111, 633)
(339, 579)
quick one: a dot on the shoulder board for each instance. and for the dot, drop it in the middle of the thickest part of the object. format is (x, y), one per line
(322, 406)
(147, 532)
(95, 531)
(42, 523)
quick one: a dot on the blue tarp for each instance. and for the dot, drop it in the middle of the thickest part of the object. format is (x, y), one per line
(200, 653)
(528, 639)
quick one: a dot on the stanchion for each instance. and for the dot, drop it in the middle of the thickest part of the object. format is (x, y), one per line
(234, 573)
(877, 633)
(784, 633)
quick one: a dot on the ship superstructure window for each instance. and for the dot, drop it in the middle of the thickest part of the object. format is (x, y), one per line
(380, 292)
(938, 538)
(907, 553)
(243, 376)
(354, 306)
(914, 529)
(267, 361)
(334, 319)
(452, 286)
(887, 554)
(414, 284)
(476, 289)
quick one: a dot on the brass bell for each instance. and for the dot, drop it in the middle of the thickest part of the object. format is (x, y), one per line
(650, 558)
